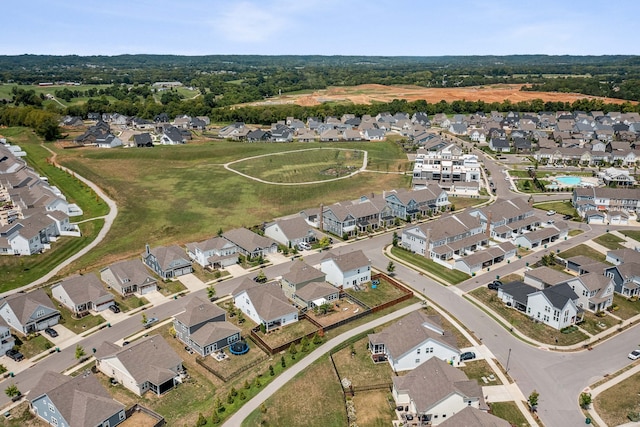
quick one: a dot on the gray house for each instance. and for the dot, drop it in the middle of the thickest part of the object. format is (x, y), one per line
(204, 328)
(80, 401)
(167, 262)
(129, 277)
(80, 294)
(250, 243)
(30, 312)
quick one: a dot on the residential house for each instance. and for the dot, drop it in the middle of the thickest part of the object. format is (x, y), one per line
(449, 391)
(7, 341)
(411, 204)
(346, 270)
(626, 278)
(258, 135)
(508, 218)
(291, 231)
(204, 328)
(29, 312)
(374, 134)
(351, 218)
(266, 304)
(444, 163)
(411, 341)
(167, 261)
(172, 136)
(543, 236)
(582, 264)
(306, 286)
(234, 131)
(594, 290)
(556, 306)
(250, 243)
(472, 417)
(515, 294)
(129, 277)
(500, 145)
(80, 401)
(543, 277)
(213, 253)
(623, 256)
(147, 364)
(484, 257)
(281, 133)
(604, 198)
(143, 140)
(82, 293)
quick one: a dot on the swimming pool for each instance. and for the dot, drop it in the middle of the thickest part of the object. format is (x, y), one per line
(569, 181)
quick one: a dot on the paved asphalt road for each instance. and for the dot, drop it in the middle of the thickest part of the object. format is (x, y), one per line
(558, 377)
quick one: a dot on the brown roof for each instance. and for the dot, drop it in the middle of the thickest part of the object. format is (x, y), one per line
(411, 331)
(315, 290)
(81, 400)
(248, 240)
(443, 381)
(348, 261)
(24, 305)
(166, 255)
(301, 272)
(199, 310)
(213, 332)
(269, 300)
(149, 359)
(85, 288)
(131, 272)
(472, 417)
(294, 228)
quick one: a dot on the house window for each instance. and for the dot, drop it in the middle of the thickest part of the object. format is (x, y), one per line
(121, 415)
(418, 351)
(417, 360)
(52, 408)
(54, 421)
(39, 313)
(106, 424)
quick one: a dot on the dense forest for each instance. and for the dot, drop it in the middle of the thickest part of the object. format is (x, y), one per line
(226, 80)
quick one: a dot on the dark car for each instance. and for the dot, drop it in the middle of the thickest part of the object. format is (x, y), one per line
(15, 355)
(495, 285)
(468, 355)
(114, 308)
(51, 332)
(567, 217)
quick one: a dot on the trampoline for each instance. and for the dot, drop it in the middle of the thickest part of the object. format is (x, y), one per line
(239, 347)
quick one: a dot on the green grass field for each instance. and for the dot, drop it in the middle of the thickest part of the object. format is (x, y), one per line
(302, 166)
(632, 234)
(609, 241)
(450, 276)
(585, 250)
(563, 208)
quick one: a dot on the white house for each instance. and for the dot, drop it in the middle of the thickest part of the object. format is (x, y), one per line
(412, 340)
(435, 391)
(554, 306)
(348, 270)
(80, 294)
(216, 252)
(594, 290)
(265, 304)
(291, 231)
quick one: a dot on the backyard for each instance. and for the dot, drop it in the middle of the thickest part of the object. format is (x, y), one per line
(287, 333)
(480, 370)
(534, 330)
(373, 297)
(354, 363)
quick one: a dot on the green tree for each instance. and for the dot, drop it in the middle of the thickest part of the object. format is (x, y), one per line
(201, 420)
(391, 267)
(12, 391)
(80, 353)
(218, 405)
(317, 339)
(585, 400)
(324, 242)
(144, 319)
(271, 371)
(283, 363)
(395, 239)
(3, 369)
(211, 292)
(533, 400)
(215, 418)
(293, 350)
(304, 344)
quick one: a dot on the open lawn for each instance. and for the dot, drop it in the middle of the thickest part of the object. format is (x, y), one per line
(303, 404)
(561, 207)
(452, 277)
(626, 308)
(519, 173)
(614, 404)
(585, 250)
(76, 325)
(609, 241)
(129, 303)
(594, 324)
(359, 368)
(535, 330)
(171, 287)
(575, 232)
(303, 165)
(509, 411)
(210, 197)
(459, 203)
(476, 369)
(384, 292)
(33, 346)
(374, 408)
(632, 234)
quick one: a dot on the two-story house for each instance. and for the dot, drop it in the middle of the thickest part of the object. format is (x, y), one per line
(167, 261)
(29, 312)
(346, 270)
(306, 286)
(594, 290)
(213, 253)
(265, 304)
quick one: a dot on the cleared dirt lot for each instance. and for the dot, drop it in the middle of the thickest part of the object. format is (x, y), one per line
(366, 94)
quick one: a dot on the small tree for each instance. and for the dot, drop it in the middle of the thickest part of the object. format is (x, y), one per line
(80, 353)
(201, 420)
(261, 277)
(215, 418)
(219, 232)
(271, 371)
(324, 242)
(218, 405)
(143, 318)
(241, 395)
(585, 400)
(247, 385)
(211, 292)
(304, 344)
(391, 267)
(283, 362)
(263, 408)
(395, 239)
(263, 328)
(293, 350)
(257, 382)
(533, 400)
(3, 369)
(317, 339)
(12, 391)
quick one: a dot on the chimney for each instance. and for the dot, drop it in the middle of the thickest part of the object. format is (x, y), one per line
(320, 225)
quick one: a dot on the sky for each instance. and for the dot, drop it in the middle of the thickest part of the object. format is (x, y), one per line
(320, 27)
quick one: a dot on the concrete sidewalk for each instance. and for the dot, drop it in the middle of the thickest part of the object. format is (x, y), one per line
(605, 386)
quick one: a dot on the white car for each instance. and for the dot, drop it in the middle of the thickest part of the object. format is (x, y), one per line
(304, 246)
(551, 213)
(635, 354)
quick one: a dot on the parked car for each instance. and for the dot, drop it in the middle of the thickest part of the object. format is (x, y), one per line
(635, 354)
(125, 343)
(551, 212)
(304, 246)
(567, 217)
(114, 308)
(15, 355)
(51, 332)
(150, 322)
(495, 285)
(550, 221)
(468, 355)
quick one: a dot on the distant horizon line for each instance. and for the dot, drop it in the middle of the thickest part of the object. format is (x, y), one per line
(328, 55)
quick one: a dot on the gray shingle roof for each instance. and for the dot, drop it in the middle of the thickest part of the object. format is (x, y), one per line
(548, 275)
(301, 272)
(248, 240)
(199, 310)
(85, 288)
(559, 295)
(269, 301)
(410, 331)
(348, 261)
(315, 290)
(518, 290)
(24, 305)
(81, 400)
(472, 417)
